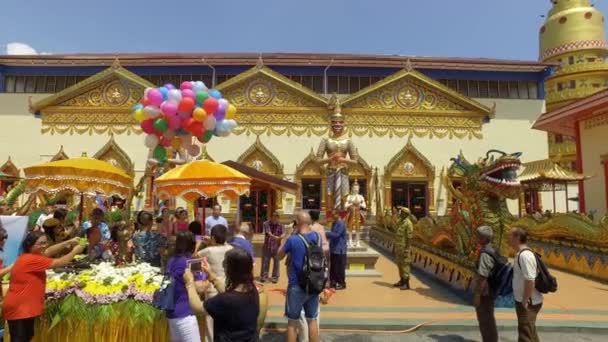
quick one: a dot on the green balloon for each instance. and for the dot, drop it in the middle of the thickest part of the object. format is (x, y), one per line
(160, 153)
(207, 136)
(201, 96)
(161, 125)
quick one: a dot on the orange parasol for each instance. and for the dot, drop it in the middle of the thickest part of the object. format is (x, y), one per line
(202, 178)
(80, 175)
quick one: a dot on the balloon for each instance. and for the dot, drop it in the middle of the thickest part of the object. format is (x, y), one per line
(199, 114)
(147, 90)
(184, 115)
(145, 101)
(187, 124)
(139, 115)
(176, 142)
(138, 107)
(220, 114)
(201, 96)
(186, 105)
(169, 135)
(207, 136)
(174, 95)
(230, 111)
(160, 125)
(188, 93)
(223, 104)
(169, 86)
(210, 105)
(164, 141)
(215, 93)
(174, 122)
(194, 150)
(231, 124)
(199, 86)
(151, 141)
(168, 108)
(160, 153)
(148, 126)
(209, 122)
(164, 91)
(151, 111)
(181, 132)
(155, 97)
(186, 85)
(197, 128)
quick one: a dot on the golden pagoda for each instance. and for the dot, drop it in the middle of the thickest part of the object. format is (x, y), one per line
(573, 37)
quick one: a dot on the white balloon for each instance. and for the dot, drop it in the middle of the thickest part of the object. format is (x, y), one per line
(146, 91)
(174, 95)
(194, 150)
(209, 122)
(198, 86)
(151, 141)
(151, 111)
(231, 124)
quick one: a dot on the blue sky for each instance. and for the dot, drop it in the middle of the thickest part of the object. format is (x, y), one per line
(460, 28)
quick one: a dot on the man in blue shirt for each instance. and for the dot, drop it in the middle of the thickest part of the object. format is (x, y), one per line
(337, 248)
(297, 298)
(215, 219)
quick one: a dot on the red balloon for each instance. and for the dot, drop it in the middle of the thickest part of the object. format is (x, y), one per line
(197, 128)
(211, 104)
(187, 124)
(186, 105)
(148, 126)
(145, 101)
(164, 141)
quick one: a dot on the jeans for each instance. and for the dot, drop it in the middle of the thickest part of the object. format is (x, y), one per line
(297, 299)
(485, 317)
(526, 322)
(276, 265)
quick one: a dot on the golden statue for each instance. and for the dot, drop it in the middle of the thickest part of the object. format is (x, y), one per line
(337, 147)
(355, 207)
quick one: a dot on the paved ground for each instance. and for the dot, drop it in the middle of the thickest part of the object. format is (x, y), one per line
(372, 303)
(440, 336)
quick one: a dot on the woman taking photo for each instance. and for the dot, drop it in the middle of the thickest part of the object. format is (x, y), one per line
(24, 300)
(235, 309)
(182, 322)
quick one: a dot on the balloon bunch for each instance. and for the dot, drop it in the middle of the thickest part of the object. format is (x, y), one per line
(171, 117)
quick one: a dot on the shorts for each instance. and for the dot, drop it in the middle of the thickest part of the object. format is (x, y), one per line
(297, 299)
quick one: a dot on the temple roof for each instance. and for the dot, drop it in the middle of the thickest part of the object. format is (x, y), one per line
(295, 59)
(258, 176)
(546, 171)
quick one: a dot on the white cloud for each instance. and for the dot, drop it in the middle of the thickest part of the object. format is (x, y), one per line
(16, 48)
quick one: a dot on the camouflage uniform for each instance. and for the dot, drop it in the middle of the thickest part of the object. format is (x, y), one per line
(403, 237)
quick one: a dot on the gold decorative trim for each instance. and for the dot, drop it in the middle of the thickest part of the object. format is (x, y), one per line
(256, 150)
(10, 168)
(111, 151)
(60, 155)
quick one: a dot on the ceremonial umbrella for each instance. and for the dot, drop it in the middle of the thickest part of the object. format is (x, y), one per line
(79, 175)
(202, 178)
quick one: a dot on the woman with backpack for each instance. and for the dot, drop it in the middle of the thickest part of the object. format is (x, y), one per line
(183, 324)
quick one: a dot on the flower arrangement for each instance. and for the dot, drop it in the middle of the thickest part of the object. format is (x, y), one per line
(103, 292)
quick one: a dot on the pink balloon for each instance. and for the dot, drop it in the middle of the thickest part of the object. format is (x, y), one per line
(148, 126)
(174, 122)
(223, 104)
(184, 115)
(185, 85)
(188, 93)
(168, 108)
(155, 97)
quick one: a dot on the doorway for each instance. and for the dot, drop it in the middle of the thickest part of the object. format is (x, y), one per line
(311, 194)
(412, 195)
(254, 208)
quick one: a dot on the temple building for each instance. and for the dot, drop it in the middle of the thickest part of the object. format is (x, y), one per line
(407, 116)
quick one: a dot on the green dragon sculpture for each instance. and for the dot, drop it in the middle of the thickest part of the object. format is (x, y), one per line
(481, 197)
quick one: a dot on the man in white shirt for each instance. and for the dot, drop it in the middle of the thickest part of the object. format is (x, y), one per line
(215, 219)
(528, 301)
(47, 213)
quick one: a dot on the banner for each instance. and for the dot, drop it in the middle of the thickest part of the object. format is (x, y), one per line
(16, 228)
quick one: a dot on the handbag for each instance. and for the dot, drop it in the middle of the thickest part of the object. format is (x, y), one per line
(164, 297)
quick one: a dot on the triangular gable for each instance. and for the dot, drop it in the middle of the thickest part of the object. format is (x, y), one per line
(112, 153)
(9, 168)
(259, 156)
(410, 91)
(61, 155)
(409, 161)
(99, 104)
(309, 166)
(260, 88)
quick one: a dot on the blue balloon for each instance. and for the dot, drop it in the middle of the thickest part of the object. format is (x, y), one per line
(215, 93)
(164, 91)
(138, 107)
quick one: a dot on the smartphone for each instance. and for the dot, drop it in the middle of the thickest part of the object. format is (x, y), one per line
(194, 265)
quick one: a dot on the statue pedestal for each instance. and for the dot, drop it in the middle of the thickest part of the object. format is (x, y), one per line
(361, 262)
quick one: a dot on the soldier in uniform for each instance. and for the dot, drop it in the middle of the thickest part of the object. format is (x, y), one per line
(403, 237)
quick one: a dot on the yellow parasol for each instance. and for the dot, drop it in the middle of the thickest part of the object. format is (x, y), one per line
(80, 175)
(202, 178)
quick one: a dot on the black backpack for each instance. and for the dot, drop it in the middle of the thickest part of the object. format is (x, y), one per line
(314, 271)
(500, 280)
(544, 282)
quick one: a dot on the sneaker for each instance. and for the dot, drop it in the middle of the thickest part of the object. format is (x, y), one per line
(399, 283)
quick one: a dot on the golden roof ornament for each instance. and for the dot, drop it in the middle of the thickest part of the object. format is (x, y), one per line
(260, 63)
(408, 65)
(335, 107)
(116, 63)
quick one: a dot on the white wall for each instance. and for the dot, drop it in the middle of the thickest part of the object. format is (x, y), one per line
(594, 143)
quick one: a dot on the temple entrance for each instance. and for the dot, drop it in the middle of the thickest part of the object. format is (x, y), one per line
(311, 194)
(254, 208)
(412, 195)
(531, 199)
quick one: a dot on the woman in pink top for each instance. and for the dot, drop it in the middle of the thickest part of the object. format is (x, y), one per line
(181, 220)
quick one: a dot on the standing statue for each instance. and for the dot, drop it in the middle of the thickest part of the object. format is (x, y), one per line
(403, 240)
(337, 152)
(355, 206)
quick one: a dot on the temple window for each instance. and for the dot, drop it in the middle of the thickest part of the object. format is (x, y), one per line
(559, 138)
(571, 60)
(572, 84)
(311, 193)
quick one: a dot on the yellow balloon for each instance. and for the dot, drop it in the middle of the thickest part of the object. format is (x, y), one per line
(230, 112)
(176, 142)
(199, 114)
(139, 115)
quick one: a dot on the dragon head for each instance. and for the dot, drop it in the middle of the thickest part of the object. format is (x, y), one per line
(498, 174)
